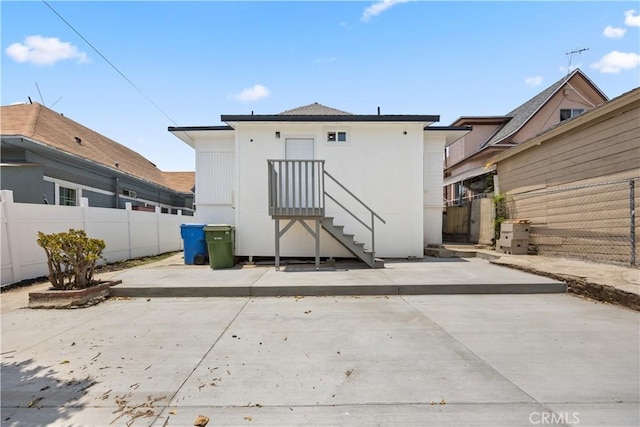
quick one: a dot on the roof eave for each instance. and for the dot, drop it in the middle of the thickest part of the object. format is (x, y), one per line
(229, 119)
(183, 133)
(450, 133)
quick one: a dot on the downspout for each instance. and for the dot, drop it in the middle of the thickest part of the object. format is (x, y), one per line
(116, 180)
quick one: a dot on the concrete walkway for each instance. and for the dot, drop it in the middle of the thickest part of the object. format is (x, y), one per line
(615, 284)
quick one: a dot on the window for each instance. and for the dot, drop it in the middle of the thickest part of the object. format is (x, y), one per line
(68, 196)
(129, 193)
(336, 136)
(567, 113)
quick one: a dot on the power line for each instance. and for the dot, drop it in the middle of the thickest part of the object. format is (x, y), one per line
(110, 63)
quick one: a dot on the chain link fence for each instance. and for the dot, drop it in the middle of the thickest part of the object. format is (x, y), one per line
(594, 222)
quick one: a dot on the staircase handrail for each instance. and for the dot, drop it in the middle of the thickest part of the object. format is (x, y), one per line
(374, 215)
(355, 197)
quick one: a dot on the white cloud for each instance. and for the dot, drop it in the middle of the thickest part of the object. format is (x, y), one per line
(40, 50)
(533, 81)
(379, 7)
(614, 62)
(613, 32)
(631, 18)
(252, 93)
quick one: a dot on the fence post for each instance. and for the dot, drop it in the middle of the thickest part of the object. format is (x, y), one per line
(180, 247)
(158, 215)
(12, 242)
(128, 206)
(84, 204)
(632, 222)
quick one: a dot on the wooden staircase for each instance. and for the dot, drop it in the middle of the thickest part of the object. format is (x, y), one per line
(297, 193)
(347, 240)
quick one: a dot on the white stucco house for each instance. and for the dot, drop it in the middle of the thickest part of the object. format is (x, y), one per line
(286, 178)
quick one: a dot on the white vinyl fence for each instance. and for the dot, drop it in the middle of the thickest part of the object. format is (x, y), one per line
(127, 233)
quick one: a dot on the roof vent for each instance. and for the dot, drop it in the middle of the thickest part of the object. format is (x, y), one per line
(78, 140)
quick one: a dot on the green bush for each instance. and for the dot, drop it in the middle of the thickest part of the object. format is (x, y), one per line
(71, 258)
(501, 211)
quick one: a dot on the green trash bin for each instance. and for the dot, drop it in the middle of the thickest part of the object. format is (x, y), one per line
(220, 242)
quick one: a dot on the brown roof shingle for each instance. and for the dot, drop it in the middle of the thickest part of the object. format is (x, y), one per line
(48, 127)
(314, 109)
(181, 181)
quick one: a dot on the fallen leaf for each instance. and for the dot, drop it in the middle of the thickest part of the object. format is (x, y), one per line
(174, 412)
(443, 402)
(33, 402)
(248, 418)
(64, 362)
(201, 421)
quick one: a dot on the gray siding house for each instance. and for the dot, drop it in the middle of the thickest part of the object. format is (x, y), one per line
(49, 158)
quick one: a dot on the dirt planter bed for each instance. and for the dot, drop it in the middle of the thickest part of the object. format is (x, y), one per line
(54, 298)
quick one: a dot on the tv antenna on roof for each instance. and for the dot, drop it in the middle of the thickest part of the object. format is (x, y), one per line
(42, 99)
(40, 93)
(571, 54)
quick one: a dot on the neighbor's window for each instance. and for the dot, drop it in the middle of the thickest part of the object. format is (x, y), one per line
(568, 113)
(336, 136)
(68, 196)
(129, 193)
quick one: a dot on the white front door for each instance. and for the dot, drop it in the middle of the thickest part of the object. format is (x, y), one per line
(299, 149)
(300, 182)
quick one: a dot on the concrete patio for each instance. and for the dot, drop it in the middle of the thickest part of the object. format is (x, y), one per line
(429, 276)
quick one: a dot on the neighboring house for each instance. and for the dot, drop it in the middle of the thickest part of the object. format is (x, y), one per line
(49, 158)
(262, 169)
(465, 174)
(578, 183)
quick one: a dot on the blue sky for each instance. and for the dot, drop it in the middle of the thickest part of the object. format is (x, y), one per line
(198, 60)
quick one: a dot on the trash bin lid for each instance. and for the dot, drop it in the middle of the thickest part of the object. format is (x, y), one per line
(192, 225)
(218, 227)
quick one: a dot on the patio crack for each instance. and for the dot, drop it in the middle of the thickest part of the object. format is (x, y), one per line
(224, 331)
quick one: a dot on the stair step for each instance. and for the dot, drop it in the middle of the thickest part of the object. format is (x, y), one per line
(347, 240)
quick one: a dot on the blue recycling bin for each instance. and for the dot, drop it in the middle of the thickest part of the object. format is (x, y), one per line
(195, 244)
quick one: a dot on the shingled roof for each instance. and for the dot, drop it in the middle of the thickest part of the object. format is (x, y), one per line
(45, 126)
(314, 109)
(521, 115)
